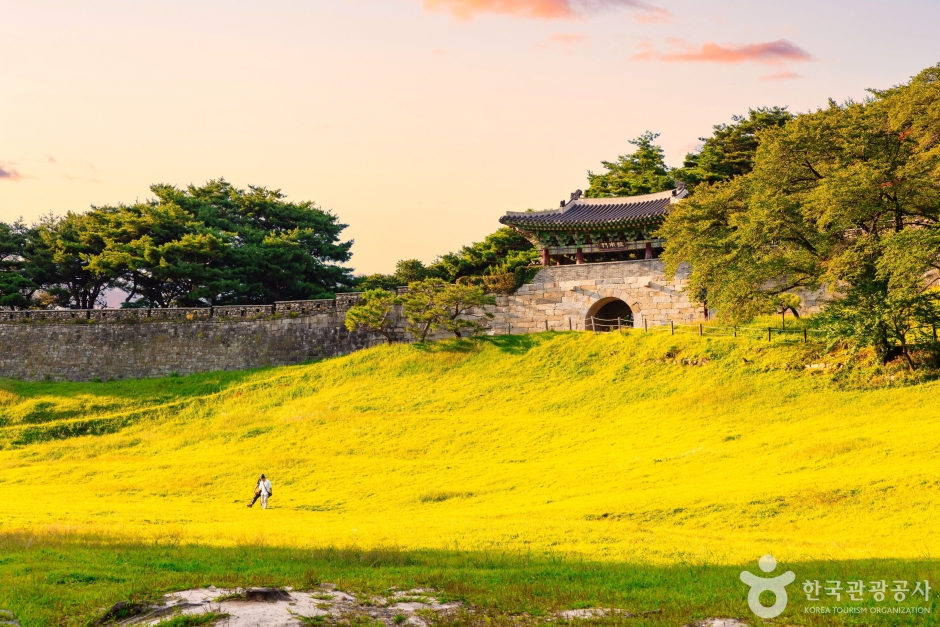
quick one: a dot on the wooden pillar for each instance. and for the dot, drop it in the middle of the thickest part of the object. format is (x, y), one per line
(579, 256)
(545, 258)
(649, 250)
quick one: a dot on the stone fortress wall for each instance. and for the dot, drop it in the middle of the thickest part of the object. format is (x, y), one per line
(79, 345)
(563, 297)
(84, 345)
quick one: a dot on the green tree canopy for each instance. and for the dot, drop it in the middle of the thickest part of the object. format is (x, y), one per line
(731, 149)
(374, 312)
(278, 250)
(58, 253)
(410, 270)
(162, 256)
(432, 305)
(500, 252)
(641, 172)
(459, 300)
(422, 307)
(406, 271)
(214, 245)
(15, 287)
(378, 281)
(847, 197)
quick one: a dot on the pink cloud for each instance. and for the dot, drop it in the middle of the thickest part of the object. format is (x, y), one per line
(545, 9)
(7, 173)
(654, 15)
(564, 40)
(767, 53)
(781, 76)
(568, 39)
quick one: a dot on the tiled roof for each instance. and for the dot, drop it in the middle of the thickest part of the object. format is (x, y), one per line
(598, 212)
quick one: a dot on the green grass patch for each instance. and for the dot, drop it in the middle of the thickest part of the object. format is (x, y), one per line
(502, 587)
(192, 620)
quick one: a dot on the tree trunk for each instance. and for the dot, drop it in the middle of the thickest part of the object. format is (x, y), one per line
(882, 347)
(906, 352)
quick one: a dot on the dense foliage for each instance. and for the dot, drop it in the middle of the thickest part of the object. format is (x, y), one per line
(429, 305)
(729, 152)
(731, 149)
(15, 287)
(846, 197)
(641, 172)
(374, 312)
(501, 252)
(208, 245)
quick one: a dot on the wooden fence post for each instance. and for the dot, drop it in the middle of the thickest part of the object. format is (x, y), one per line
(804, 335)
(546, 325)
(593, 329)
(672, 327)
(510, 327)
(701, 331)
(645, 326)
(569, 323)
(735, 332)
(619, 328)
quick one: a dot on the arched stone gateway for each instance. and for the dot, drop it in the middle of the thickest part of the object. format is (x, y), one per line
(609, 314)
(567, 297)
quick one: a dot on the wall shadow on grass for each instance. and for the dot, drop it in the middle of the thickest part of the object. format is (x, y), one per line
(40, 412)
(513, 344)
(155, 389)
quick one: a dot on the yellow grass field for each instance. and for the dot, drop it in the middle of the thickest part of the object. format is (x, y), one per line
(635, 447)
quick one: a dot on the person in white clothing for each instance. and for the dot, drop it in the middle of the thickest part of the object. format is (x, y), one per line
(265, 486)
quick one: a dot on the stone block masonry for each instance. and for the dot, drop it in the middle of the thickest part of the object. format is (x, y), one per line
(84, 352)
(77, 345)
(563, 297)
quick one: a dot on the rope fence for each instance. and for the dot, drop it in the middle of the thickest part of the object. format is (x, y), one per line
(753, 332)
(604, 325)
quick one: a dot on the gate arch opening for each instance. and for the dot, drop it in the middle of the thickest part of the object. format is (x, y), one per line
(609, 314)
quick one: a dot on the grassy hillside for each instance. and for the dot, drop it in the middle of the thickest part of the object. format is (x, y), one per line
(636, 447)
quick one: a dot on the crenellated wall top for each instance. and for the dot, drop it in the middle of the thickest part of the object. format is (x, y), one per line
(226, 313)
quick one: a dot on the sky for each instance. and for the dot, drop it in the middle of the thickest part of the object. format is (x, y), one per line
(417, 122)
